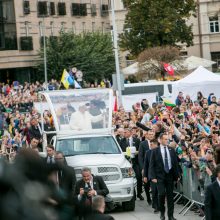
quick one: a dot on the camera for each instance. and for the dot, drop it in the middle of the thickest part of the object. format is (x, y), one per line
(86, 190)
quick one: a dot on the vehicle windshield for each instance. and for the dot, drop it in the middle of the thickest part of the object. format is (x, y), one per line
(87, 145)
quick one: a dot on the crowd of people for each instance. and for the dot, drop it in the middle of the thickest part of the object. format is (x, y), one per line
(190, 128)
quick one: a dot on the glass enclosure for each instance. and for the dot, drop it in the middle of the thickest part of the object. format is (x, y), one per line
(81, 110)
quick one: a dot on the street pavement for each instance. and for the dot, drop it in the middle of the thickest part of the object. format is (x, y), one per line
(144, 212)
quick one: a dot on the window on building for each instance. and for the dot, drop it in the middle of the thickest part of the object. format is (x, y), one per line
(61, 8)
(74, 27)
(215, 56)
(84, 26)
(79, 9)
(26, 7)
(26, 28)
(42, 8)
(52, 8)
(214, 24)
(93, 26)
(52, 28)
(62, 28)
(93, 10)
(103, 27)
(41, 29)
(8, 36)
(104, 10)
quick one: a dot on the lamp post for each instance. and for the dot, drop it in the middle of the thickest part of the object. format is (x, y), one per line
(115, 41)
(45, 55)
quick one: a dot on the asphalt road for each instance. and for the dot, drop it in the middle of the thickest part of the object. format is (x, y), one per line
(144, 212)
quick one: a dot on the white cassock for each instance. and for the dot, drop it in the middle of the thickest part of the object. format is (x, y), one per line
(83, 121)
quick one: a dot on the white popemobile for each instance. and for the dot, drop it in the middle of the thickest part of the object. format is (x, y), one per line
(83, 124)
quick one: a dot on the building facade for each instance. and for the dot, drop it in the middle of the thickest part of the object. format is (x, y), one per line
(23, 23)
(206, 30)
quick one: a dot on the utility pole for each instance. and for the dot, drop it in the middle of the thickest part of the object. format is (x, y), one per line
(115, 41)
(45, 55)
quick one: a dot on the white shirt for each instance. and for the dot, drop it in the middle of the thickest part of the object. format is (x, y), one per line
(130, 142)
(218, 181)
(162, 150)
(83, 121)
(148, 144)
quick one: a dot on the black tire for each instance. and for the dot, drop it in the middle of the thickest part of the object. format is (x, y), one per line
(129, 206)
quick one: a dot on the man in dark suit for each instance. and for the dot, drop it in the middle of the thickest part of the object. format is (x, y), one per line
(143, 148)
(88, 187)
(50, 159)
(212, 198)
(129, 141)
(120, 135)
(35, 131)
(98, 208)
(147, 178)
(66, 176)
(164, 171)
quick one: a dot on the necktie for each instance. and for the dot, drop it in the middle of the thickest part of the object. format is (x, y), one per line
(51, 160)
(166, 165)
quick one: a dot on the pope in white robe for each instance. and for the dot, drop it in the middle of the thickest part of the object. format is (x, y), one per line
(82, 119)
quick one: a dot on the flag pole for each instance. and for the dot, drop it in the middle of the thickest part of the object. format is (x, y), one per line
(45, 55)
(115, 40)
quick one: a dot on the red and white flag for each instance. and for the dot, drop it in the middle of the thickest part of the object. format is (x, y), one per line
(115, 105)
(168, 68)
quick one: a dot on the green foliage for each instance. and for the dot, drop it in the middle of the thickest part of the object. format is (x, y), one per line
(92, 53)
(151, 23)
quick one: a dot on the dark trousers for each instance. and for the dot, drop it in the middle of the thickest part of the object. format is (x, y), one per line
(147, 190)
(139, 178)
(154, 191)
(165, 189)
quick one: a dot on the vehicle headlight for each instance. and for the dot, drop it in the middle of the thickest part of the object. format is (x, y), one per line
(127, 172)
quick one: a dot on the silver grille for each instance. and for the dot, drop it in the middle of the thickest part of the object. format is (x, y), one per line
(107, 173)
(107, 169)
(113, 177)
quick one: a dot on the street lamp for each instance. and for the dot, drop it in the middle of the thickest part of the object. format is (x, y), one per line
(115, 41)
(45, 55)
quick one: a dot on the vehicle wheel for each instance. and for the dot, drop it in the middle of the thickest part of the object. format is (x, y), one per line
(129, 206)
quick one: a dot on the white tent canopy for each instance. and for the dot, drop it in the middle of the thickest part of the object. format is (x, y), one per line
(132, 69)
(200, 80)
(195, 62)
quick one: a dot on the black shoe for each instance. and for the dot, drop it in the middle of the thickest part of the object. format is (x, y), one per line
(162, 216)
(172, 218)
(156, 211)
(140, 197)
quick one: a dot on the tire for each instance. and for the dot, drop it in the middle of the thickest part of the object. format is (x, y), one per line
(129, 206)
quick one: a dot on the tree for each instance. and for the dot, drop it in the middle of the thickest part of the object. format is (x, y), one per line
(151, 61)
(92, 53)
(151, 23)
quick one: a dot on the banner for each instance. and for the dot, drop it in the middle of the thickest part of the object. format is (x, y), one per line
(129, 100)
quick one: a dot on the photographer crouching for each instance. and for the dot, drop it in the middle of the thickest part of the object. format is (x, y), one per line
(86, 188)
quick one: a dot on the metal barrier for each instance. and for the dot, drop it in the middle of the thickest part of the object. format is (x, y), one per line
(192, 188)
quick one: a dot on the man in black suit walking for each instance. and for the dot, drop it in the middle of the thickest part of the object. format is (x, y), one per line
(66, 176)
(88, 187)
(129, 141)
(143, 148)
(164, 171)
(212, 198)
(147, 178)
